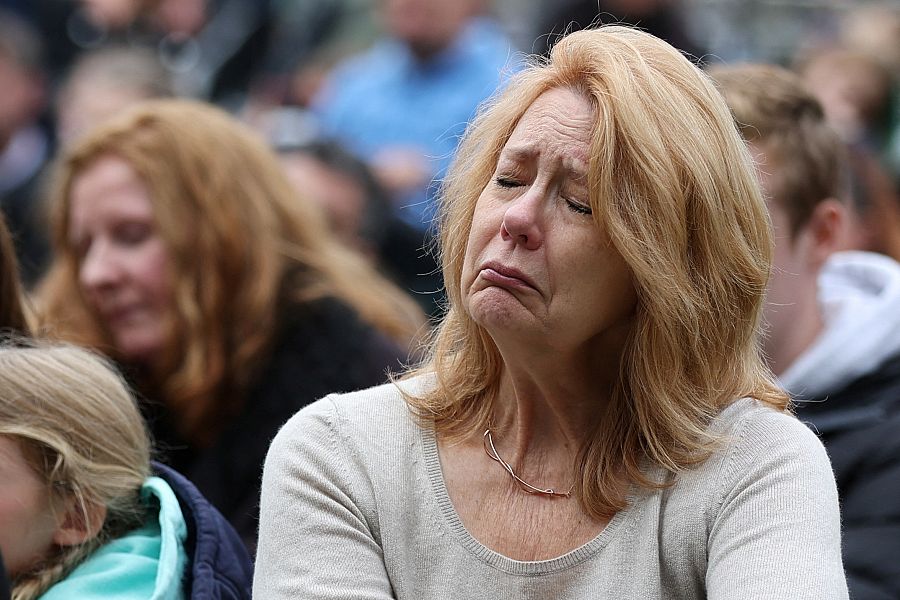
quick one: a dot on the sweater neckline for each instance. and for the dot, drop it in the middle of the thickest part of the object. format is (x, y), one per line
(622, 522)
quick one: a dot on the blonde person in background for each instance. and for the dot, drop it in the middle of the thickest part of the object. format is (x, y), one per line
(594, 419)
(182, 252)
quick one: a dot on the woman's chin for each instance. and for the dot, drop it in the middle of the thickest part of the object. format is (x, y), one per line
(138, 350)
(500, 313)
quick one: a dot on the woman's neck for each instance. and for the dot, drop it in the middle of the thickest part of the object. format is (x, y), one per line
(543, 419)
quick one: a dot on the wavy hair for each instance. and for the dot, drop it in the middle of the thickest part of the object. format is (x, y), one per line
(83, 435)
(242, 248)
(673, 185)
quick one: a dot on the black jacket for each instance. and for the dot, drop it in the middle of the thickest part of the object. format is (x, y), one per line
(860, 427)
(5, 589)
(322, 348)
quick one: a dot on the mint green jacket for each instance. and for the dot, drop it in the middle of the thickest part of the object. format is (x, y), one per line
(144, 564)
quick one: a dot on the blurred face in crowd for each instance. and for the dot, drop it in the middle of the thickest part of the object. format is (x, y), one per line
(27, 522)
(537, 266)
(112, 14)
(428, 26)
(21, 99)
(89, 102)
(123, 260)
(342, 199)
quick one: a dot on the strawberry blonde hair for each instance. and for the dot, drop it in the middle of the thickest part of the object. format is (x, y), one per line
(242, 248)
(673, 186)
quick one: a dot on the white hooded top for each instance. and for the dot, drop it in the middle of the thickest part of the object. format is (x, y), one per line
(859, 296)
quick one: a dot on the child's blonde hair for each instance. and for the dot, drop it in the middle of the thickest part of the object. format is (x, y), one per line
(81, 431)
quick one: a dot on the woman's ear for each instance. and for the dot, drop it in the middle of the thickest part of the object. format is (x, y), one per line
(79, 522)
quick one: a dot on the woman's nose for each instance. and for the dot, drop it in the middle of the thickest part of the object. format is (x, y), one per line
(99, 267)
(521, 221)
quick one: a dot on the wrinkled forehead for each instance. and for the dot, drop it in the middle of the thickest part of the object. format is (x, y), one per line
(559, 124)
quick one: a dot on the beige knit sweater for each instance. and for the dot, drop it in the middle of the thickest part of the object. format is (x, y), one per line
(354, 506)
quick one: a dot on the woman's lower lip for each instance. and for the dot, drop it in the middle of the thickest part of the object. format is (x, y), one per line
(504, 280)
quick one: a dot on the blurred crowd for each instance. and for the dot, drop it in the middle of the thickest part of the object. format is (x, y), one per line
(387, 86)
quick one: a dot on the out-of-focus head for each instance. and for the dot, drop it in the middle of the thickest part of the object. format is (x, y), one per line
(874, 29)
(167, 213)
(21, 74)
(783, 121)
(344, 187)
(854, 89)
(340, 198)
(103, 82)
(124, 264)
(174, 225)
(873, 205)
(113, 14)
(427, 26)
(74, 453)
(801, 165)
(12, 310)
(671, 186)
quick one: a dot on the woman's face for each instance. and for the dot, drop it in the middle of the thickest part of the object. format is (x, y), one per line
(122, 260)
(537, 268)
(27, 522)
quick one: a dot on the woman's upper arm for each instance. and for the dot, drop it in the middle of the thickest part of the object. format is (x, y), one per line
(776, 530)
(315, 533)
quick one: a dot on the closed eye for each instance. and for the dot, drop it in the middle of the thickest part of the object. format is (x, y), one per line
(132, 233)
(579, 208)
(506, 182)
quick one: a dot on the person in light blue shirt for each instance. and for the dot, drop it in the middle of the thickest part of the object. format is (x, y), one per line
(403, 104)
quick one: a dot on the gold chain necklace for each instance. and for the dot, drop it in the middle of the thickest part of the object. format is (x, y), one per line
(491, 451)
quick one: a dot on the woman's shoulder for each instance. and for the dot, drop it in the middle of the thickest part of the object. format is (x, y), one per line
(765, 496)
(749, 427)
(364, 420)
(322, 347)
(322, 322)
(219, 560)
(753, 442)
(764, 460)
(353, 442)
(761, 444)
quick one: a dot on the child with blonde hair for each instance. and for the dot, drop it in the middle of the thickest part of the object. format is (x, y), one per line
(81, 513)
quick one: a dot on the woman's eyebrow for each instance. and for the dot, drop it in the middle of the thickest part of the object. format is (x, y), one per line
(519, 153)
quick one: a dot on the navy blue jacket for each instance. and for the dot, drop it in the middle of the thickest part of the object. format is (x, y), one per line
(219, 566)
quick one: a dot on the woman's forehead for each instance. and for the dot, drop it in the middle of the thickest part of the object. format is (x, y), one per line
(559, 123)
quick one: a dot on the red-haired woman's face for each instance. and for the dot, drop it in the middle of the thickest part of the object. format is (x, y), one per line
(123, 261)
